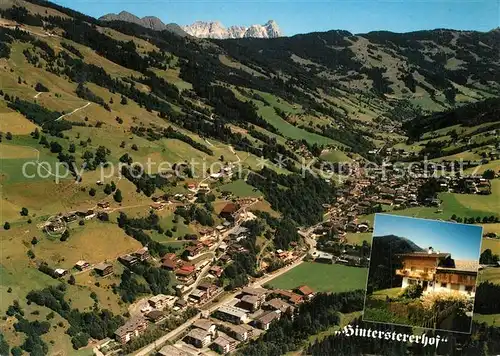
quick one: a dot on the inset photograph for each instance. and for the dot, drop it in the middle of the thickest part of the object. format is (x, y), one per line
(423, 273)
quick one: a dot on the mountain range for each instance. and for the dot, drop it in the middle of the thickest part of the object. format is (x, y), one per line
(151, 22)
(218, 31)
(200, 29)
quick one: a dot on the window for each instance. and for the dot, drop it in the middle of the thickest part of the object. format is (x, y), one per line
(443, 285)
(426, 270)
(412, 269)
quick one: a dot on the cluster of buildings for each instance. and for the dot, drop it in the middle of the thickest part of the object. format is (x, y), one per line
(247, 316)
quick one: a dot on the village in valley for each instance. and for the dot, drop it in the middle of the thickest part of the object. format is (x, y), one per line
(209, 317)
(163, 194)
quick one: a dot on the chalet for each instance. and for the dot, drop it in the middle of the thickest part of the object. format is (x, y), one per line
(216, 270)
(169, 264)
(305, 291)
(231, 314)
(142, 254)
(82, 265)
(103, 269)
(162, 301)
(170, 261)
(278, 304)
(128, 260)
(158, 206)
(224, 344)
(436, 271)
(208, 243)
(59, 272)
(205, 324)
(103, 205)
(198, 296)
(194, 250)
(207, 233)
(265, 320)
(180, 303)
(155, 316)
(240, 332)
(259, 293)
(210, 289)
(228, 211)
(238, 232)
(132, 328)
(250, 302)
(185, 274)
(198, 337)
(290, 297)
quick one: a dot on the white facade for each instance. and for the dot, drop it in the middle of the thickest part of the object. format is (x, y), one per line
(439, 287)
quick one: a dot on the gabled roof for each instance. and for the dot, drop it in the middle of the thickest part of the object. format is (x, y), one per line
(425, 254)
(203, 324)
(305, 290)
(268, 317)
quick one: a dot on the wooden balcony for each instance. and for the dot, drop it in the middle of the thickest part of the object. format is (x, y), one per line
(426, 276)
(456, 278)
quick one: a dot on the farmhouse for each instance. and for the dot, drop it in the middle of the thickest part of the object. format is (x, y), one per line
(305, 291)
(103, 269)
(437, 271)
(228, 211)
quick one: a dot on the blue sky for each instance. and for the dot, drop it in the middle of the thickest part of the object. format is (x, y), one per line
(462, 241)
(301, 17)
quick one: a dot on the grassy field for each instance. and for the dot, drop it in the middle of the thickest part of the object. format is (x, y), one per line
(335, 156)
(322, 277)
(462, 205)
(358, 238)
(489, 203)
(490, 319)
(492, 244)
(240, 189)
(94, 242)
(491, 274)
